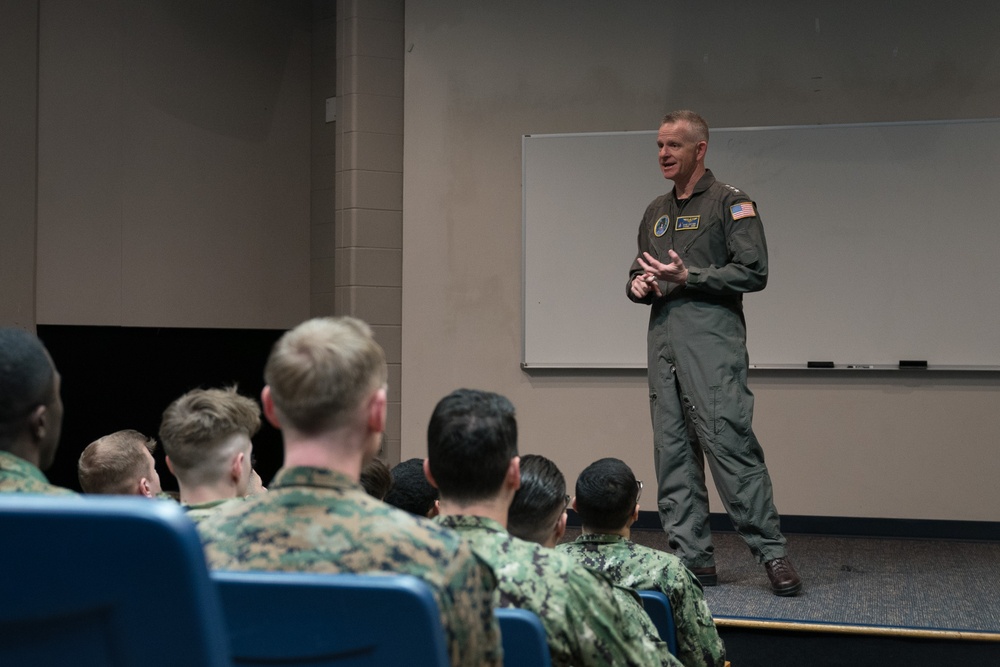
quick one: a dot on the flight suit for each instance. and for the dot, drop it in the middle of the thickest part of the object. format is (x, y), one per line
(697, 364)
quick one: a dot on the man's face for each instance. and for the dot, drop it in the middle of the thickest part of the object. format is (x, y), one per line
(680, 155)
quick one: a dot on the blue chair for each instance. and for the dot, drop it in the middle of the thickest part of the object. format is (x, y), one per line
(104, 582)
(300, 618)
(525, 643)
(657, 605)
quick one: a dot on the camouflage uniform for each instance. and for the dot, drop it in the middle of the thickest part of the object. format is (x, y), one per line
(319, 520)
(584, 622)
(19, 476)
(198, 512)
(641, 568)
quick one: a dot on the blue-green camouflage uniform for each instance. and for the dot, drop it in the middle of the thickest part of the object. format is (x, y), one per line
(697, 359)
(19, 476)
(319, 520)
(639, 567)
(583, 619)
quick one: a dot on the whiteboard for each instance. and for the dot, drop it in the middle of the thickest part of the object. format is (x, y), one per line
(883, 238)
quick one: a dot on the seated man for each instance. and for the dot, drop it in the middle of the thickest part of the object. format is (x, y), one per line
(538, 514)
(376, 479)
(411, 491)
(31, 412)
(206, 435)
(472, 460)
(326, 391)
(120, 464)
(607, 500)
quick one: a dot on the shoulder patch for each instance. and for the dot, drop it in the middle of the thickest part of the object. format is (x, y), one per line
(661, 226)
(743, 210)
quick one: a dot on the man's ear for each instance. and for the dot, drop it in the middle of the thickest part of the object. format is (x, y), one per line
(377, 411)
(701, 149)
(38, 423)
(170, 466)
(560, 529)
(573, 505)
(270, 412)
(236, 468)
(144, 487)
(513, 477)
(428, 475)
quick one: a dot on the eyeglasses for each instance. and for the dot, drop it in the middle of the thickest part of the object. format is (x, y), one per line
(638, 494)
(568, 499)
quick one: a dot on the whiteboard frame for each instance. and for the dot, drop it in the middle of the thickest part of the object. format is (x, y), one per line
(533, 362)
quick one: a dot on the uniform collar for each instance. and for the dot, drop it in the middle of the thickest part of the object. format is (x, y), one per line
(704, 183)
(16, 465)
(601, 538)
(460, 521)
(314, 477)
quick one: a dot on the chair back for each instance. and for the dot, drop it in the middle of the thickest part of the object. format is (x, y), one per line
(657, 605)
(525, 643)
(342, 620)
(104, 582)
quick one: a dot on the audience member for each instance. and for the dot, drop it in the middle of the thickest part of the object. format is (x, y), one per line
(473, 461)
(206, 435)
(326, 391)
(376, 478)
(538, 511)
(120, 464)
(607, 500)
(538, 514)
(31, 412)
(411, 491)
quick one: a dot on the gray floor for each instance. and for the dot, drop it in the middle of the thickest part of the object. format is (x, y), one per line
(898, 583)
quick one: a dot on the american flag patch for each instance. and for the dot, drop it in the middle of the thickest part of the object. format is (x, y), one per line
(744, 210)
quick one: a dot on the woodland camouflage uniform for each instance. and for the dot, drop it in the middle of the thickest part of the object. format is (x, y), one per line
(319, 520)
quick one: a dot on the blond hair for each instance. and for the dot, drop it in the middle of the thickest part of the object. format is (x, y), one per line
(320, 372)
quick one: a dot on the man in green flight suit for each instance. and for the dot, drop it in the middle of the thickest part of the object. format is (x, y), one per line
(701, 247)
(472, 460)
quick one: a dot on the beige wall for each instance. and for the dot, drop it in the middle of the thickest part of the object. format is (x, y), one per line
(479, 75)
(18, 159)
(365, 267)
(173, 163)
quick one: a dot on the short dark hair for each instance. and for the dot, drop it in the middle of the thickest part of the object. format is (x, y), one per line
(539, 502)
(410, 489)
(376, 478)
(27, 380)
(471, 439)
(606, 494)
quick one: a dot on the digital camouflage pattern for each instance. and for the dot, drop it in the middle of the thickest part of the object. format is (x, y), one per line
(198, 512)
(641, 568)
(19, 476)
(585, 624)
(319, 520)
